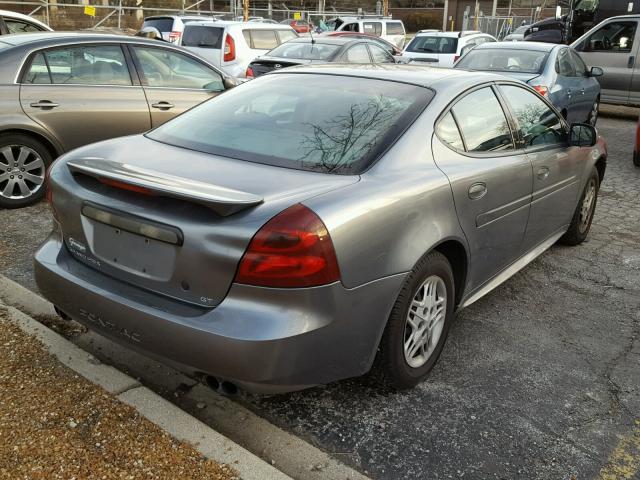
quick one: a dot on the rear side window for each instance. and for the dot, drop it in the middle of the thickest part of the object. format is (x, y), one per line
(482, 122)
(395, 28)
(38, 73)
(18, 26)
(564, 65)
(164, 24)
(263, 39)
(325, 123)
(372, 28)
(286, 35)
(448, 132)
(429, 44)
(85, 65)
(202, 37)
(306, 51)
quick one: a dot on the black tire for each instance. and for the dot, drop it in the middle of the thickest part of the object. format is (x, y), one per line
(391, 365)
(581, 221)
(15, 142)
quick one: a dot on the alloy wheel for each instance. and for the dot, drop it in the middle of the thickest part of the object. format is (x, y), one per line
(425, 321)
(586, 209)
(22, 172)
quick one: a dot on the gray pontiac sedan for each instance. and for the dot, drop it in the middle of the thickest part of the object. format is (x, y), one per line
(314, 223)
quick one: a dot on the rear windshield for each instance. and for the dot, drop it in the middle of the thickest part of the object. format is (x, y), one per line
(203, 37)
(503, 60)
(324, 123)
(429, 44)
(163, 25)
(305, 51)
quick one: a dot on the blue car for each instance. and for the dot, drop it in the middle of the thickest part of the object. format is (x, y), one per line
(555, 71)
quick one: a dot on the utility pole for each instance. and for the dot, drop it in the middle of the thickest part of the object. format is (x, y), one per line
(245, 10)
(385, 8)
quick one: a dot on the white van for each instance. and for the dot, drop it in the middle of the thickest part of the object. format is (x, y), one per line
(384, 27)
(232, 46)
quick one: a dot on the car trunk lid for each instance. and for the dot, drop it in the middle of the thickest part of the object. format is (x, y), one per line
(170, 220)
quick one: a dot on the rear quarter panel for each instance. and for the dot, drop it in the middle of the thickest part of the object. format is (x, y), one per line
(400, 210)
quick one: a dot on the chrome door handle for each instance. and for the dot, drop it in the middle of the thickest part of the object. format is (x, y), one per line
(44, 104)
(543, 173)
(569, 93)
(477, 190)
(163, 105)
(582, 91)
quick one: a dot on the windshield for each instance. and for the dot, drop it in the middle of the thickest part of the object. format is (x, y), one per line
(304, 51)
(586, 5)
(503, 60)
(325, 123)
(430, 44)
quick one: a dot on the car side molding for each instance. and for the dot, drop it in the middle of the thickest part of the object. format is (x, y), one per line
(223, 201)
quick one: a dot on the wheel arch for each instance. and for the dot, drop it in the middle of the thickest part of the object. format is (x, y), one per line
(601, 166)
(52, 147)
(456, 254)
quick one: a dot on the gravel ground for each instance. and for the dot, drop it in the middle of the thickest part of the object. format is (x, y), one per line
(57, 425)
(539, 379)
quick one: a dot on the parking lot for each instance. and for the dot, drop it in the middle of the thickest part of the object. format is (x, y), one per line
(539, 379)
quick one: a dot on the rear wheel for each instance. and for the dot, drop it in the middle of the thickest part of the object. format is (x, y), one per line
(23, 164)
(583, 216)
(418, 325)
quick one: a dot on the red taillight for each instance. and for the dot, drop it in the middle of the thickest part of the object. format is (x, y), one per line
(293, 249)
(249, 73)
(229, 49)
(174, 36)
(541, 89)
(125, 186)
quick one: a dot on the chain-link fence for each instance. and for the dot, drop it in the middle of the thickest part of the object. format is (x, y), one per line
(116, 14)
(497, 26)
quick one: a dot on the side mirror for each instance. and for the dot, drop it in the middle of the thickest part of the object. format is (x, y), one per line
(230, 82)
(582, 135)
(596, 72)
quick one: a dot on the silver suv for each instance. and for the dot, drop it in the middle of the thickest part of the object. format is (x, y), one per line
(172, 26)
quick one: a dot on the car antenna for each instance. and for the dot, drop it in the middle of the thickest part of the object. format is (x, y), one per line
(313, 40)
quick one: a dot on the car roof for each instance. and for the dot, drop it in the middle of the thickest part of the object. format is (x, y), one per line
(458, 34)
(229, 23)
(20, 16)
(533, 46)
(188, 17)
(429, 77)
(327, 40)
(43, 39)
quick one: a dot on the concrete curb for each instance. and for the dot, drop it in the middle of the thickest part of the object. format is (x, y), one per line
(164, 414)
(293, 455)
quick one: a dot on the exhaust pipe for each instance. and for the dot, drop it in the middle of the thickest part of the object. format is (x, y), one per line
(223, 387)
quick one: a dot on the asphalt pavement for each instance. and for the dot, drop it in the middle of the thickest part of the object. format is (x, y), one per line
(539, 379)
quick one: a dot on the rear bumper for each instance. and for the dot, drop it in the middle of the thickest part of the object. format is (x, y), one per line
(264, 340)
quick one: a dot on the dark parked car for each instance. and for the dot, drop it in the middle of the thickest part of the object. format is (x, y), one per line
(554, 71)
(290, 231)
(60, 91)
(300, 51)
(388, 46)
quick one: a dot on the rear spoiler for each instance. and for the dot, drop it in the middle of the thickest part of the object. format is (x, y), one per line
(223, 201)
